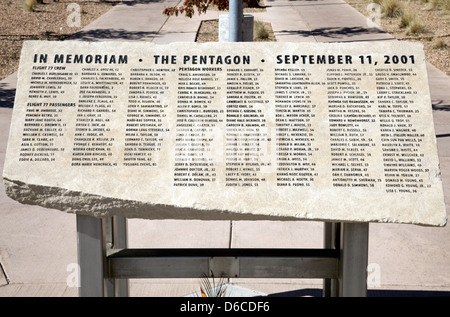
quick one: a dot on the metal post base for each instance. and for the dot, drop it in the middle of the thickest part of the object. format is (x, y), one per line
(352, 240)
(95, 238)
(354, 258)
(331, 240)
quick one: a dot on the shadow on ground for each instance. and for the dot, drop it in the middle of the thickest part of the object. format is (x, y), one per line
(441, 105)
(135, 2)
(98, 35)
(335, 32)
(6, 96)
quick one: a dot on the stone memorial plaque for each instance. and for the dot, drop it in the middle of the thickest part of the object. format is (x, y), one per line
(309, 131)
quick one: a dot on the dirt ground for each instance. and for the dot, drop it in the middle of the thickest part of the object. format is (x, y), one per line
(49, 21)
(56, 21)
(436, 24)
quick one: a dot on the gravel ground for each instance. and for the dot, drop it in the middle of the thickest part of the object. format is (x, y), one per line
(50, 21)
(435, 21)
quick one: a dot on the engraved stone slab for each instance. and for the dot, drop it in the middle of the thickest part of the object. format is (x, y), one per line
(315, 131)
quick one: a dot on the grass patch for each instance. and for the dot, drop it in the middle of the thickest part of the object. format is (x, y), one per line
(418, 22)
(441, 5)
(440, 44)
(415, 27)
(260, 31)
(390, 8)
(411, 23)
(209, 32)
(29, 5)
(406, 19)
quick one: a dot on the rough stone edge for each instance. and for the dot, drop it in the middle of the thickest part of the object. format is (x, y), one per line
(102, 207)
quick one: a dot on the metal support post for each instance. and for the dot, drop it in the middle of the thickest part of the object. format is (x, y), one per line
(231, 263)
(236, 14)
(331, 240)
(95, 238)
(91, 256)
(353, 259)
(115, 229)
(120, 242)
(106, 263)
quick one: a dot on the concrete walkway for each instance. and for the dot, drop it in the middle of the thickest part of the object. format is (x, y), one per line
(38, 246)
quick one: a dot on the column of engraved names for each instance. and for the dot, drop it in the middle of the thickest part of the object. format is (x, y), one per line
(93, 142)
(246, 131)
(401, 141)
(146, 125)
(196, 126)
(44, 123)
(351, 121)
(295, 139)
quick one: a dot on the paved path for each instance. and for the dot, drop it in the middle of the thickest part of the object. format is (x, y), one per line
(38, 246)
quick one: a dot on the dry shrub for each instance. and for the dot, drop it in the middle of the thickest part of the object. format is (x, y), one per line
(261, 31)
(29, 5)
(415, 27)
(406, 19)
(412, 23)
(391, 8)
(440, 44)
(441, 5)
